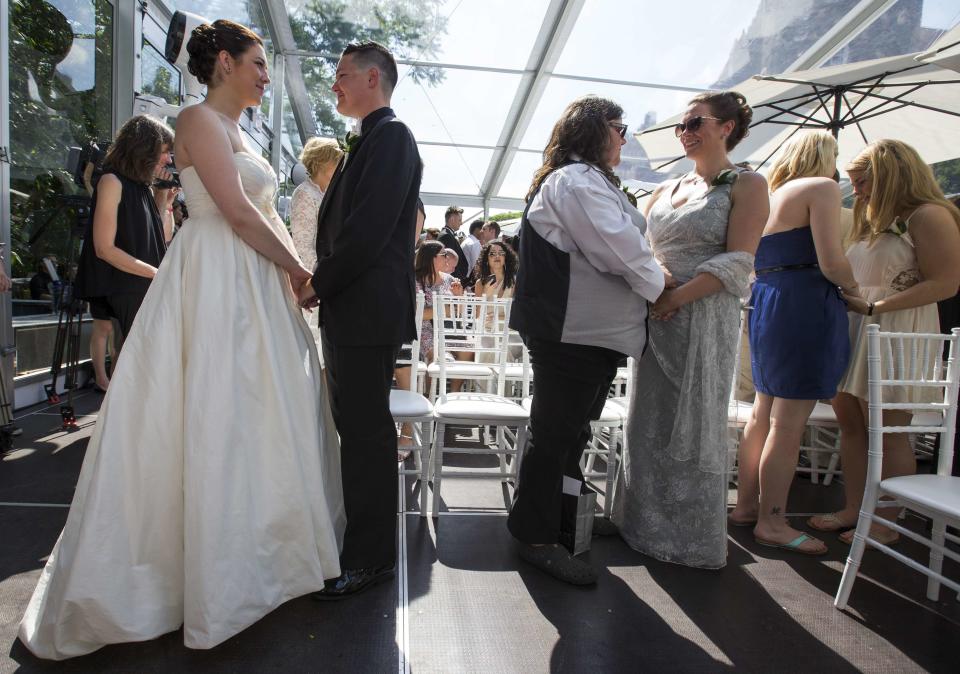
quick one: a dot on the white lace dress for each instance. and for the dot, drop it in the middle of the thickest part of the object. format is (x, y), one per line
(670, 500)
(210, 491)
(304, 208)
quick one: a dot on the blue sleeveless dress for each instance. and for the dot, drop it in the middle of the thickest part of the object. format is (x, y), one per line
(799, 340)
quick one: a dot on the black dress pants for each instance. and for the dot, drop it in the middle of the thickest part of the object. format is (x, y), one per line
(360, 378)
(571, 382)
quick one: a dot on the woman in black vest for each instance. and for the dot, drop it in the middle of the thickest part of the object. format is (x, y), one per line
(131, 222)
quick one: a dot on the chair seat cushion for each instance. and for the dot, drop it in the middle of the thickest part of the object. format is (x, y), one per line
(409, 404)
(480, 406)
(930, 492)
(613, 412)
(462, 370)
(514, 371)
(738, 412)
(822, 415)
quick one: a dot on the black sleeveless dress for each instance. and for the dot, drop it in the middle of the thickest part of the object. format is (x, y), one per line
(139, 233)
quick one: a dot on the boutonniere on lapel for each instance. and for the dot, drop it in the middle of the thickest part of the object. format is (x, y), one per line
(348, 144)
(725, 177)
(631, 196)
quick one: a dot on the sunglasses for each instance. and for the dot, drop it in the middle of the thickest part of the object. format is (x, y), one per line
(621, 128)
(692, 125)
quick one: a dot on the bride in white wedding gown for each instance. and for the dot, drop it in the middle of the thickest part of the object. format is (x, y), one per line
(210, 491)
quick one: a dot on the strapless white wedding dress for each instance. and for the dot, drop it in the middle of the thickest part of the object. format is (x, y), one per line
(210, 491)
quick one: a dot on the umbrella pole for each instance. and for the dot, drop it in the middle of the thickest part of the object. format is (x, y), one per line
(835, 121)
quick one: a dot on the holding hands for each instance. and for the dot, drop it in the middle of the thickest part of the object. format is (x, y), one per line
(668, 302)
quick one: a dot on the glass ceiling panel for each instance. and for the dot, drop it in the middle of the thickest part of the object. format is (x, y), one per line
(682, 44)
(452, 169)
(642, 107)
(494, 33)
(520, 174)
(456, 111)
(907, 26)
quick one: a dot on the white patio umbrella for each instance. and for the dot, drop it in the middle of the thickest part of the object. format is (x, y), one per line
(914, 98)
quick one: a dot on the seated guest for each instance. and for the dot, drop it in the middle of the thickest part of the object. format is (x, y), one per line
(496, 270)
(580, 305)
(430, 234)
(450, 261)
(126, 240)
(431, 281)
(491, 232)
(905, 255)
(798, 333)
(497, 273)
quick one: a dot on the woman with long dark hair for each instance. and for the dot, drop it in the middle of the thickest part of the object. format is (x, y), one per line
(671, 496)
(210, 492)
(130, 225)
(496, 270)
(586, 274)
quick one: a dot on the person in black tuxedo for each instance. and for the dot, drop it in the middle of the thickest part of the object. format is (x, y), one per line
(363, 285)
(453, 219)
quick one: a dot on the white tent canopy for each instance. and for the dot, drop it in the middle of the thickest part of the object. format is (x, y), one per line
(507, 69)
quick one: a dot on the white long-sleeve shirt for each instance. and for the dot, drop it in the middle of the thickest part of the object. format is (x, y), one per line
(588, 275)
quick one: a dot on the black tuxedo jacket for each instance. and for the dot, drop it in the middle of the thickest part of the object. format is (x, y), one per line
(365, 238)
(449, 240)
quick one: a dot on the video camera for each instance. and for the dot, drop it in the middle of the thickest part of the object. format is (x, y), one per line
(174, 178)
(80, 157)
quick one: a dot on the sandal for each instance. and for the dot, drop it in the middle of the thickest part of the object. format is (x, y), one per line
(887, 538)
(741, 523)
(829, 522)
(794, 545)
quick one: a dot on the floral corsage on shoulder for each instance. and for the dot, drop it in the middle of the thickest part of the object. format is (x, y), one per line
(725, 177)
(631, 196)
(899, 229)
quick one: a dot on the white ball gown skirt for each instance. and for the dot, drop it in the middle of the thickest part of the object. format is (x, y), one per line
(210, 491)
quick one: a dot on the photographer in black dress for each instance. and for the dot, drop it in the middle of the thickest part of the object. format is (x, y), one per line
(131, 222)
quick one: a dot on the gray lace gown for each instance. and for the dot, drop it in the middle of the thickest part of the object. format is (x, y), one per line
(671, 494)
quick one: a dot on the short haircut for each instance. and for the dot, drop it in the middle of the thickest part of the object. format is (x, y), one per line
(375, 55)
(319, 151)
(476, 226)
(495, 226)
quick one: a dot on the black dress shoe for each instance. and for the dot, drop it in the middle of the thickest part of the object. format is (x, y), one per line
(557, 561)
(352, 581)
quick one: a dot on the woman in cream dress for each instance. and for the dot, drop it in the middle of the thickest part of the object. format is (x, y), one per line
(905, 256)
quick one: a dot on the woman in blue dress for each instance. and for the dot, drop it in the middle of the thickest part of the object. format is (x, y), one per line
(798, 333)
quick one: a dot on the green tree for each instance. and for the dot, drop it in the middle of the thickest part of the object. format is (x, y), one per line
(409, 28)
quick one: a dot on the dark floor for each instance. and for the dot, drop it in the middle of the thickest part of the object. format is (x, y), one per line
(465, 603)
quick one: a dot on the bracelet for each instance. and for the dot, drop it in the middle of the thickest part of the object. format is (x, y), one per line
(870, 309)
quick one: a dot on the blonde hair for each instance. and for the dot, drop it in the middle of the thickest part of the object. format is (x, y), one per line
(805, 155)
(901, 182)
(319, 151)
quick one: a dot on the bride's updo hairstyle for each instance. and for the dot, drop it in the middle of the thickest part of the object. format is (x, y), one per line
(208, 40)
(726, 106)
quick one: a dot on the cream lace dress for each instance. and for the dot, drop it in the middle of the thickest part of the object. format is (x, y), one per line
(884, 268)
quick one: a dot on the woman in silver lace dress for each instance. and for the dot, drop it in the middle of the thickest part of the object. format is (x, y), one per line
(671, 494)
